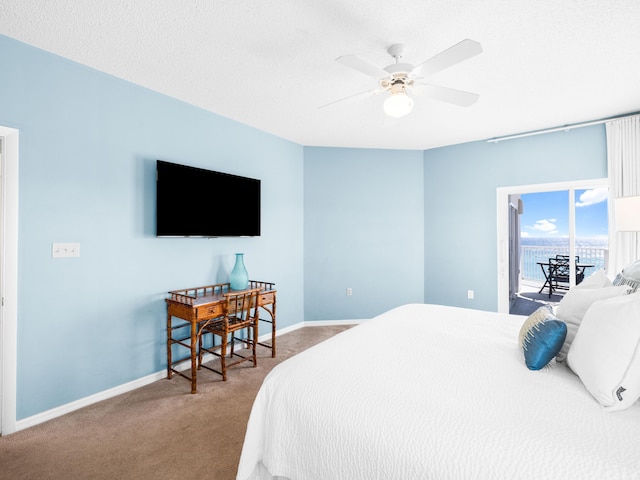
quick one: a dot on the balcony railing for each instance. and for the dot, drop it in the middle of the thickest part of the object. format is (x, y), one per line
(530, 255)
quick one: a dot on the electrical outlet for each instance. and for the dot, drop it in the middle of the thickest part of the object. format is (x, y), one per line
(349, 291)
(65, 250)
(470, 294)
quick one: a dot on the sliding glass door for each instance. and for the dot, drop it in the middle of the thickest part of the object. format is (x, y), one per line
(570, 222)
(555, 219)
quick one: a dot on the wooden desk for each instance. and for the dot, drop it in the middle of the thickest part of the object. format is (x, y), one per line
(196, 305)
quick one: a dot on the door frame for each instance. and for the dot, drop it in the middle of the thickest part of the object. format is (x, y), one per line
(502, 205)
(8, 278)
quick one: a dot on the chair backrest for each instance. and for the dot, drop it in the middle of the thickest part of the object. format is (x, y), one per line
(243, 305)
(566, 257)
(559, 268)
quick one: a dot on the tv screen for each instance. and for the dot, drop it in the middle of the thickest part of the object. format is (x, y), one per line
(194, 202)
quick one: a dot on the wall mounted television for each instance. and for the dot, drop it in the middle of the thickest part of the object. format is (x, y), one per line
(195, 202)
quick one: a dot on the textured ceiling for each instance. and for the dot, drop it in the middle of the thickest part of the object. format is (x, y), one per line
(271, 63)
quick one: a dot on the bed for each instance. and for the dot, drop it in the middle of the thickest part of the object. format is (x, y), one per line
(433, 392)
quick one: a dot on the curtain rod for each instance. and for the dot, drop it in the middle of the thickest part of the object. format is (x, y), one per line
(566, 128)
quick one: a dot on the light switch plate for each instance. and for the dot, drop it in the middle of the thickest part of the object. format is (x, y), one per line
(65, 250)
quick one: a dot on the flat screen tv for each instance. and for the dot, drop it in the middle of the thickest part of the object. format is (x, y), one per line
(194, 202)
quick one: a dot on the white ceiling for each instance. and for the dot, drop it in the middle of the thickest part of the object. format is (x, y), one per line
(271, 63)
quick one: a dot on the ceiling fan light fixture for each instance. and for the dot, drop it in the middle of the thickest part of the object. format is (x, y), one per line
(398, 105)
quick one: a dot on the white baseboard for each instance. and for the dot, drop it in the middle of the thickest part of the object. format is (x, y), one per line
(154, 377)
(86, 401)
(328, 323)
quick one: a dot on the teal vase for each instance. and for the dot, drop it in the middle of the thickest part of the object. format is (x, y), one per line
(239, 278)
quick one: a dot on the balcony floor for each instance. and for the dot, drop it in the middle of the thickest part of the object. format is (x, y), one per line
(529, 300)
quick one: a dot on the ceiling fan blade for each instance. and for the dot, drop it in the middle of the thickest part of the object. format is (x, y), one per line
(452, 55)
(364, 67)
(446, 94)
(375, 91)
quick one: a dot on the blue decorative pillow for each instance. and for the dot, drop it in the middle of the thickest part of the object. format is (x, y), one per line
(621, 279)
(541, 338)
(630, 275)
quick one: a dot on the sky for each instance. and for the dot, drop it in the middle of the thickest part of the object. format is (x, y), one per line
(546, 214)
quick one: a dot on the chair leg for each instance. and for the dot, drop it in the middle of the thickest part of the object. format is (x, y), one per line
(254, 343)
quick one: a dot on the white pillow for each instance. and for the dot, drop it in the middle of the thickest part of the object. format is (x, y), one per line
(605, 353)
(598, 279)
(575, 304)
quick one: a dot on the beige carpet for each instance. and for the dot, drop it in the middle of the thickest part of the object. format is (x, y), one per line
(159, 431)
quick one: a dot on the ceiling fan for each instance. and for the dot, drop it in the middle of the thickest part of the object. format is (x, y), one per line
(399, 77)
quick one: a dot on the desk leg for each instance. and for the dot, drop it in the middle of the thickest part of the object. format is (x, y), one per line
(273, 330)
(272, 315)
(194, 340)
(169, 372)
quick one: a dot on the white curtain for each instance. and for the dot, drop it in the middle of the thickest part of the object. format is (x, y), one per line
(623, 160)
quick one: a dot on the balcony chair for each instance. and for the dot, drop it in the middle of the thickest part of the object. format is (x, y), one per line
(240, 313)
(559, 273)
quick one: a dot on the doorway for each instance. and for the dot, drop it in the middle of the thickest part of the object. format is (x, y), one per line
(573, 196)
(8, 277)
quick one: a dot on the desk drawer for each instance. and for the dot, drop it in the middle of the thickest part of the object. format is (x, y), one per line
(267, 298)
(180, 310)
(209, 311)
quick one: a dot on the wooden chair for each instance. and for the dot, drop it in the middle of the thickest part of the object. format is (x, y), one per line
(240, 313)
(179, 328)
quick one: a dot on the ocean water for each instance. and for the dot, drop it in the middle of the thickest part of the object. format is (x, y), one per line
(564, 242)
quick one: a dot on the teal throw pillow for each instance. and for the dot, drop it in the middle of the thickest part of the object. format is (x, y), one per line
(541, 338)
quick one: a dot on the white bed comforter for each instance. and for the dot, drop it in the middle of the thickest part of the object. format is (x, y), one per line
(433, 392)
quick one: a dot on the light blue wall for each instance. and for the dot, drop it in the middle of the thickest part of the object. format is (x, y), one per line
(460, 204)
(364, 229)
(395, 226)
(88, 145)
